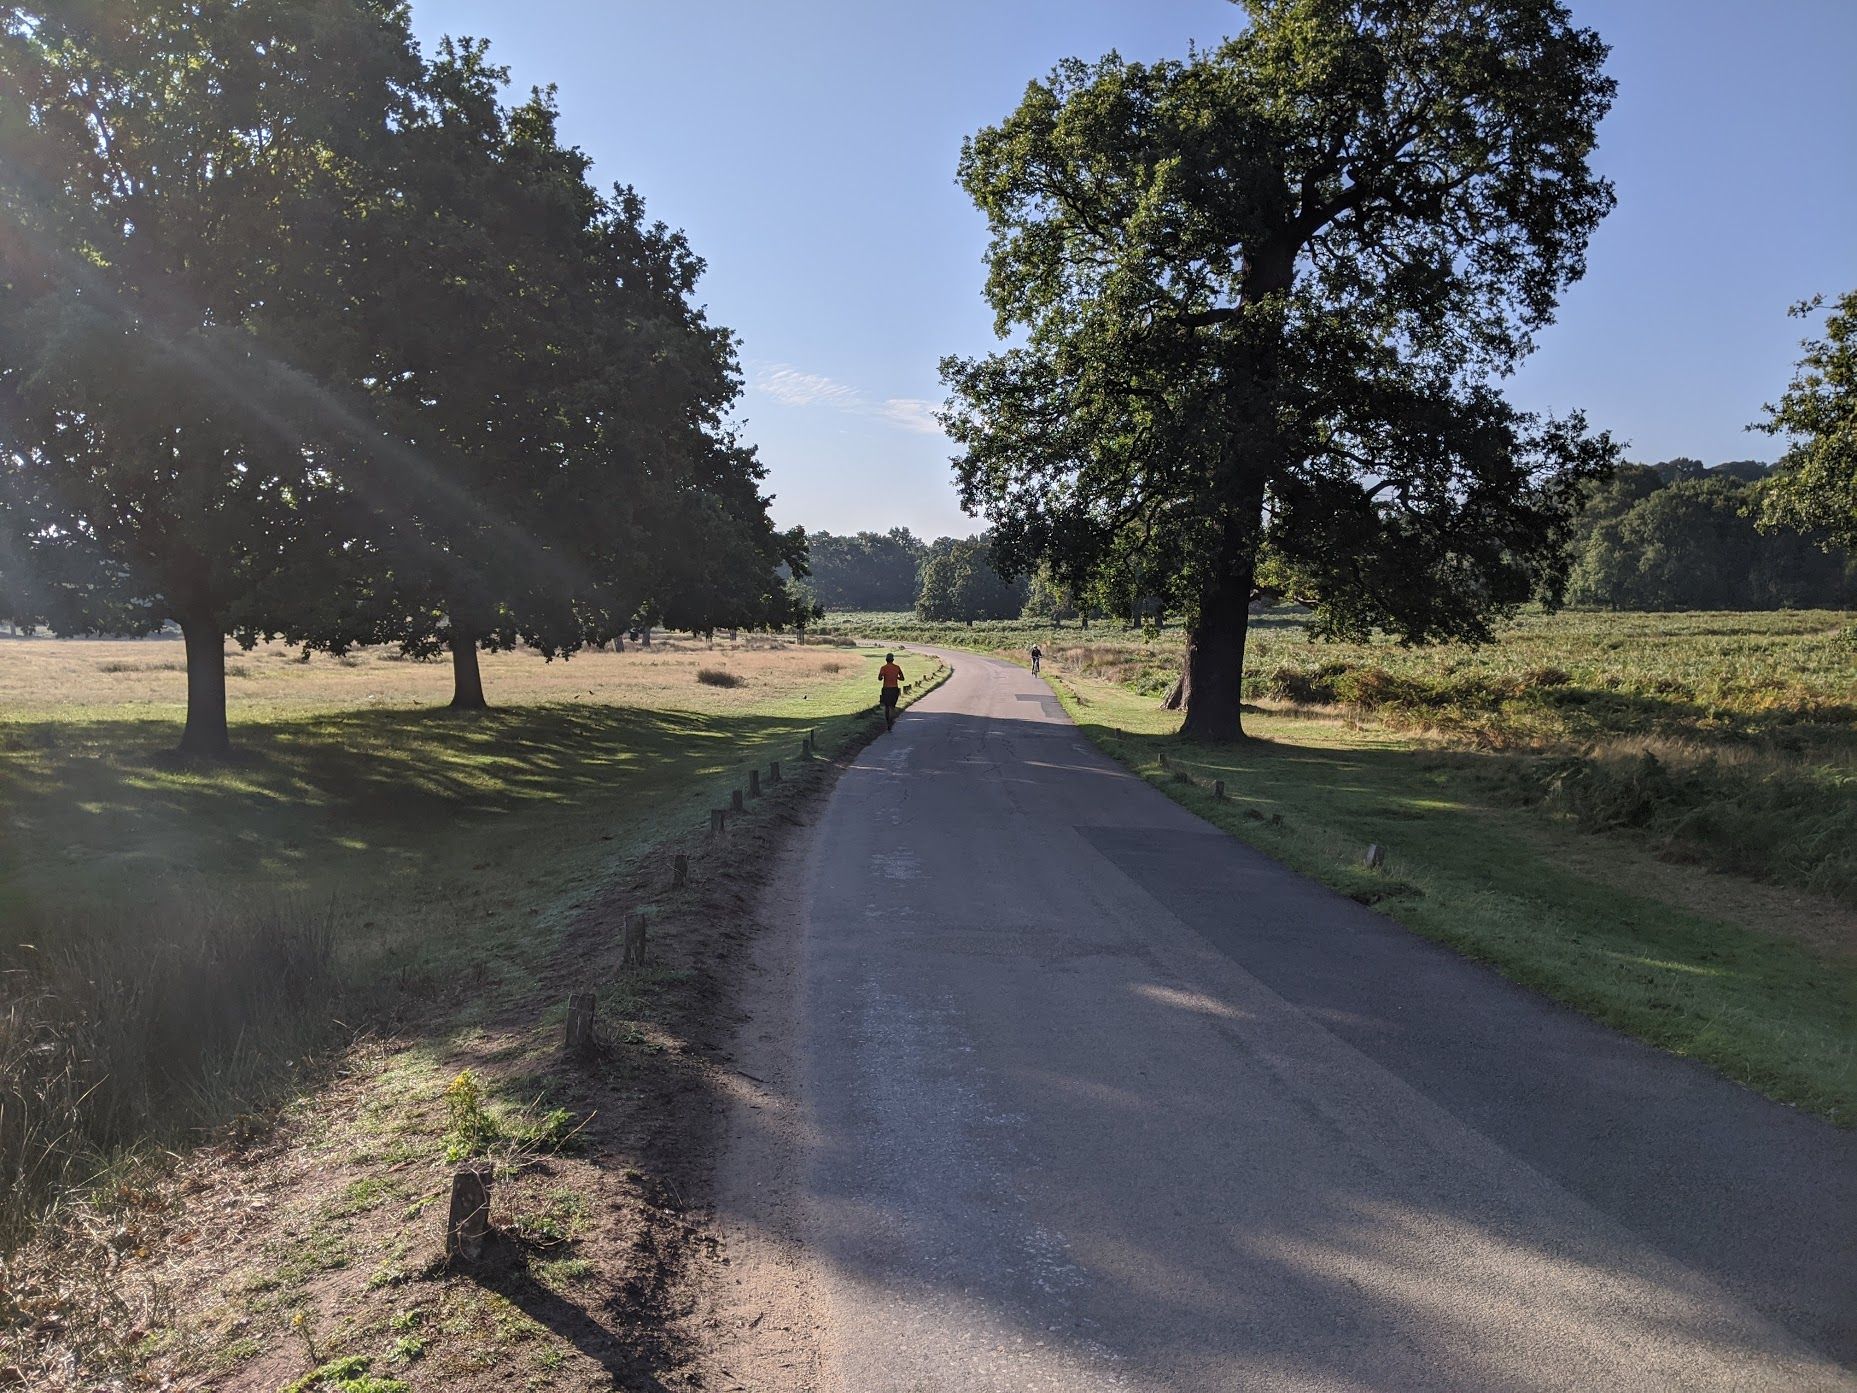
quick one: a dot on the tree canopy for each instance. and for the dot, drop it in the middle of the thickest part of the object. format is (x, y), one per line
(1678, 535)
(961, 582)
(865, 570)
(1815, 491)
(302, 334)
(1265, 293)
(170, 177)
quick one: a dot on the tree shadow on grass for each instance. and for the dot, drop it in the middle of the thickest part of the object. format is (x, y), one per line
(322, 797)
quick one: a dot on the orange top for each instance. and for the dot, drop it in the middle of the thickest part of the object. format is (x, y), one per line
(891, 674)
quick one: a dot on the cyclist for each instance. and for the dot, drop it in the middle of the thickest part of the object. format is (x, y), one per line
(892, 678)
(1037, 656)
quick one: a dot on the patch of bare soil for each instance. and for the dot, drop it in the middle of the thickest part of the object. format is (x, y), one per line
(307, 1254)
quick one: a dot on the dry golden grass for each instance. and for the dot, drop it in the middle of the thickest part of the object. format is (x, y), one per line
(46, 679)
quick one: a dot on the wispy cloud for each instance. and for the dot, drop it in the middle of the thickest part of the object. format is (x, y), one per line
(912, 413)
(796, 388)
(791, 386)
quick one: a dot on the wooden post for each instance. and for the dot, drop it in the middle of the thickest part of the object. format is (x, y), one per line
(718, 820)
(754, 783)
(1218, 789)
(735, 800)
(578, 1038)
(634, 941)
(680, 869)
(468, 1223)
(1376, 857)
(773, 772)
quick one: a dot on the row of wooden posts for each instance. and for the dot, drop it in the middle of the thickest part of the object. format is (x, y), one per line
(467, 1224)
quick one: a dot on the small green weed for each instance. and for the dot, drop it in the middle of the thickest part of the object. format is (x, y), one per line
(347, 1375)
(469, 1128)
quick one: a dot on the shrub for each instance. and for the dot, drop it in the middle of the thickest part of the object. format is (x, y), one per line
(717, 677)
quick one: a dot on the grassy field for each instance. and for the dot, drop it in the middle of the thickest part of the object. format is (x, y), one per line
(174, 933)
(1652, 818)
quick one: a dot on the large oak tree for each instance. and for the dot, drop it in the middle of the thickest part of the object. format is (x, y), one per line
(175, 181)
(1264, 295)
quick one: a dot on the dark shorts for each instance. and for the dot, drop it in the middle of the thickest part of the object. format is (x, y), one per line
(890, 695)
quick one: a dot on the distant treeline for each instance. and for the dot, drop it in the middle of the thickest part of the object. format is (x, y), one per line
(1680, 535)
(949, 578)
(1672, 536)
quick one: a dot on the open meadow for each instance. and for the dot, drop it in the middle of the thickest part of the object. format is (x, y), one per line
(1650, 817)
(175, 932)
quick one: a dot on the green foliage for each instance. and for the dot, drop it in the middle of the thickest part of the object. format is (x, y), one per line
(871, 570)
(474, 1128)
(1673, 537)
(348, 1375)
(960, 582)
(469, 1128)
(1264, 293)
(173, 296)
(1815, 490)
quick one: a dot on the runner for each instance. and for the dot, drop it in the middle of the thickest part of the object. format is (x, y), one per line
(892, 676)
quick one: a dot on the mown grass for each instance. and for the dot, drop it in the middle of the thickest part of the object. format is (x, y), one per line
(176, 935)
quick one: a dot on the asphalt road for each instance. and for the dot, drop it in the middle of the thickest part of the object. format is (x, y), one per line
(1088, 1096)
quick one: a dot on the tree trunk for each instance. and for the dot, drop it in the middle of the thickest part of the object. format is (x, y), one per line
(205, 735)
(1212, 686)
(467, 681)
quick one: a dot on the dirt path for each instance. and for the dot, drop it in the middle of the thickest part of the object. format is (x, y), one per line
(1049, 1085)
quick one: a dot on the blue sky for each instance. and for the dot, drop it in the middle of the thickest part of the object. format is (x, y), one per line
(808, 148)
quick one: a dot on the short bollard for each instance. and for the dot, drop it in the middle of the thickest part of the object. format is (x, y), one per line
(735, 800)
(718, 820)
(1375, 857)
(773, 772)
(578, 1038)
(680, 870)
(468, 1223)
(634, 941)
(754, 783)
(1218, 789)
